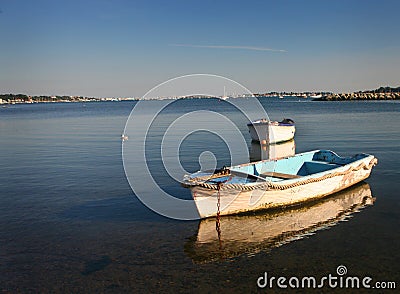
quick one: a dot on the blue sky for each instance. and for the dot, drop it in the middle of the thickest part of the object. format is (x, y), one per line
(124, 48)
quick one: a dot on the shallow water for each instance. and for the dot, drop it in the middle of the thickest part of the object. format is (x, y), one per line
(70, 221)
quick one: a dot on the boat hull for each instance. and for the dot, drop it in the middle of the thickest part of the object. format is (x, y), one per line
(233, 201)
(271, 133)
(261, 232)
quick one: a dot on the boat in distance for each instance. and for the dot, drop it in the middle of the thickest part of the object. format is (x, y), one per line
(275, 183)
(271, 132)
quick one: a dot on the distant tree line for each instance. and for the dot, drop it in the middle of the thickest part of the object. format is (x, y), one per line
(382, 90)
(14, 97)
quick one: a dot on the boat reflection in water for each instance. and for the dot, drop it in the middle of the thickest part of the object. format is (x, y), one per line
(250, 234)
(273, 151)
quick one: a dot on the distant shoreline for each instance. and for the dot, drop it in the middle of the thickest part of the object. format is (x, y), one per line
(25, 99)
(382, 93)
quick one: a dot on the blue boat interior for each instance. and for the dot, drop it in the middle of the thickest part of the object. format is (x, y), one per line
(297, 166)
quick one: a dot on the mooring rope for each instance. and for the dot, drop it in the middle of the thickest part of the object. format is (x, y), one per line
(218, 217)
(200, 181)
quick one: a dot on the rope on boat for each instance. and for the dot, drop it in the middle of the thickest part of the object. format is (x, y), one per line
(199, 181)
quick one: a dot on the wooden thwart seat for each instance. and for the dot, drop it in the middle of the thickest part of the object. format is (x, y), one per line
(279, 175)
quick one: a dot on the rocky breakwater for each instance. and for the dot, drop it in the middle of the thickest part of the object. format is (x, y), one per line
(360, 96)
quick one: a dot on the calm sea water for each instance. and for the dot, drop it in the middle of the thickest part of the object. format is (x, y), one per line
(71, 223)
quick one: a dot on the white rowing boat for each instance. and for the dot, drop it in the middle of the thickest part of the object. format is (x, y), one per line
(271, 132)
(274, 183)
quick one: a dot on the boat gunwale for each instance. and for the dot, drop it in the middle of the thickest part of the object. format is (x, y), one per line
(339, 168)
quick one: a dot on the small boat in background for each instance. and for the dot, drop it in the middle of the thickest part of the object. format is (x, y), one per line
(271, 132)
(124, 138)
(276, 183)
(316, 96)
(224, 97)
